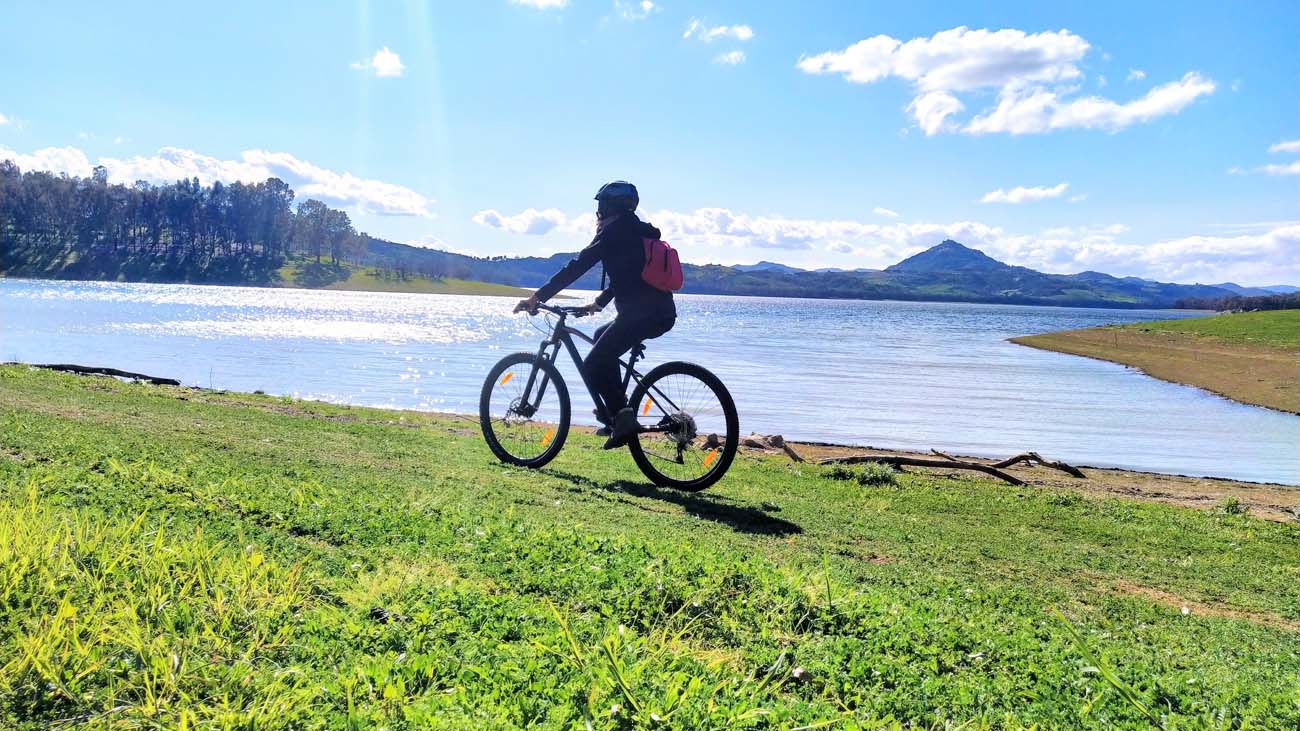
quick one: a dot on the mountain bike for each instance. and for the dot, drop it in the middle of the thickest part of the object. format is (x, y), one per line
(688, 428)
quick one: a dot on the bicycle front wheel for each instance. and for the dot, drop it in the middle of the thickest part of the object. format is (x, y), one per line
(524, 410)
(693, 427)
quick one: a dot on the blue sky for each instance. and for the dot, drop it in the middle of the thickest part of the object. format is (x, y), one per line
(817, 134)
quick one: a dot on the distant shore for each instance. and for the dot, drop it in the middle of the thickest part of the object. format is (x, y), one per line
(1252, 357)
(358, 282)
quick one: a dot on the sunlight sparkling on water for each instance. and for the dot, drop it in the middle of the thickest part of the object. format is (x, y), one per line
(889, 374)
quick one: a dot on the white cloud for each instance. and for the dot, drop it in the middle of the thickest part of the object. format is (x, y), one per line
(1101, 81)
(884, 212)
(932, 110)
(3, 120)
(1292, 168)
(385, 64)
(531, 221)
(541, 4)
(1021, 194)
(1031, 110)
(172, 163)
(1079, 198)
(1032, 72)
(708, 34)
(731, 58)
(631, 10)
(1285, 146)
(1135, 75)
(1266, 255)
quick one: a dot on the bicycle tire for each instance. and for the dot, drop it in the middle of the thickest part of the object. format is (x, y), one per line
(556, 442)
(729, 446)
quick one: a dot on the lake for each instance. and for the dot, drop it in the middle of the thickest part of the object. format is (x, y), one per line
(902, 375)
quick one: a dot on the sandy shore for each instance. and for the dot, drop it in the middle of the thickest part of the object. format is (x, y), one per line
(1251, 373)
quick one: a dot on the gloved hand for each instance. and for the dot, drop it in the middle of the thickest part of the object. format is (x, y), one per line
(529, 305)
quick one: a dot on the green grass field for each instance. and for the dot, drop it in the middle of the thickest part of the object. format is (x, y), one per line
(184, 559)
(343, 276)
(1280, 328)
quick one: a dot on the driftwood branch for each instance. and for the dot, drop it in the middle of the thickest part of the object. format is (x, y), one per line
(92, 371)
(1036, 457)
(946, 463)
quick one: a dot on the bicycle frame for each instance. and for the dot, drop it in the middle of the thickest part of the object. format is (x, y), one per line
(563, 334)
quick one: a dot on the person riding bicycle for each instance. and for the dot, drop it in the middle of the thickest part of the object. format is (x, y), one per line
(643, 311)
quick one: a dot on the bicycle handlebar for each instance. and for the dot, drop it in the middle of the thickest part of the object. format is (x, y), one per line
(563, 311)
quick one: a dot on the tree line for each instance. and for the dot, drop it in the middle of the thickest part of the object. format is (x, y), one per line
(1289, 301)
(88, 228)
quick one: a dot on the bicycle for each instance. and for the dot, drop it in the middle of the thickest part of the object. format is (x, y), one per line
(688, 433)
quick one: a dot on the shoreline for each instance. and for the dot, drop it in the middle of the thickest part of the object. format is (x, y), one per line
(1254, 374)
(452, 286)
(1270, 500)
(1053, 305)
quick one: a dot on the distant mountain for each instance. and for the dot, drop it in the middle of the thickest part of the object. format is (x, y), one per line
(767, 266)
(1256, 291)
(837, 270)
(948, 256)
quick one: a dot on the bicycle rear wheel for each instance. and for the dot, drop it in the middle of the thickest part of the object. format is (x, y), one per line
(696, 427)
(524, 410)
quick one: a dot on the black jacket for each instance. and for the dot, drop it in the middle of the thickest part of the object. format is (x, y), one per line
(619, 246)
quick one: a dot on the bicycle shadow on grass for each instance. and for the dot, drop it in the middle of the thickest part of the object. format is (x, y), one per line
(740, 518)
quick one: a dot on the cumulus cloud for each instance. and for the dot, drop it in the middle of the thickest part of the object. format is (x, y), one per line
(1021, 194)
(173, 163)
(1292, 168)
(541, 4)
(1036, 109)
(385, 64)
(731, 58)
(707, 228)
(1263, 254)
(1262, 257)
(1032, 72)
(708, 33)
(630, 10)
(531, 221)
(884, 212)
(1135, 75)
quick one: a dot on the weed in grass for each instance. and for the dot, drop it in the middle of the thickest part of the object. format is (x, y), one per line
(867, 474)
(1232, 506)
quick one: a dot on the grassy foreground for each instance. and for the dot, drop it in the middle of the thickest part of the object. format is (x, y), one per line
(1252, 357)
(183, 559)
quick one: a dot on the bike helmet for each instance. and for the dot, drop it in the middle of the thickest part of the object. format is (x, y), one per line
(619, 189)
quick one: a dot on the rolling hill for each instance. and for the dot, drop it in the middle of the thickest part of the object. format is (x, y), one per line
(948, 272)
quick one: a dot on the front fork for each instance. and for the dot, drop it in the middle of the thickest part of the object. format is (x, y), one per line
(528, 404)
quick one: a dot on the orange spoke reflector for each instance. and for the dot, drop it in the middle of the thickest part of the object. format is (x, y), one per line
(507, 377)
(708, 458)
(549, 436)
(646, 409)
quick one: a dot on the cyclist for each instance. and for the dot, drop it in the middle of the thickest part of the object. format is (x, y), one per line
(643, 311)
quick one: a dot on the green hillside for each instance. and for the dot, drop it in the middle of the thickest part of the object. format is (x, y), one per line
(1280, 328)
(345, 276)
(172, 558)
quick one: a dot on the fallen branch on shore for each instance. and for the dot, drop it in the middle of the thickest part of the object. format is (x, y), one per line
(1035, 457)
(92, 371)
(950, 462)
(946, 463)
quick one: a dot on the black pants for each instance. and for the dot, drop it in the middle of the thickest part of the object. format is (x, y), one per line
(612, 341)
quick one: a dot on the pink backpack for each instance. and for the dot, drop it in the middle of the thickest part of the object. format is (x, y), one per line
(663, 269)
